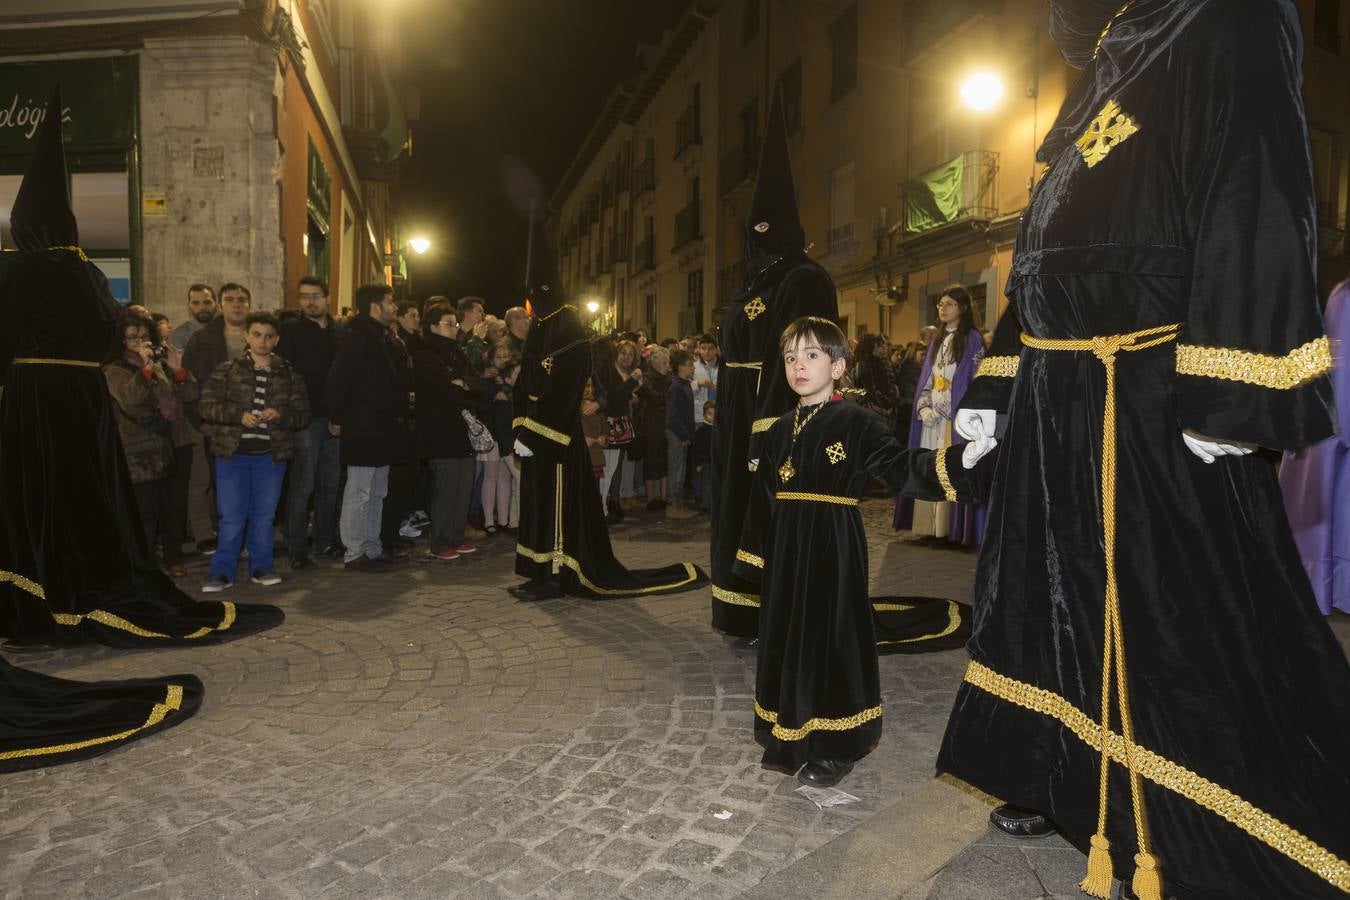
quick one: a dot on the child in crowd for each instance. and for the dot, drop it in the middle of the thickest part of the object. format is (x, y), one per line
(700, 457)
(596, 429)
(679, 430)
(817, 684)
(497, 478)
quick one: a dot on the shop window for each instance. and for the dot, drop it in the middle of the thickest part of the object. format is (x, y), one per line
(319, 191)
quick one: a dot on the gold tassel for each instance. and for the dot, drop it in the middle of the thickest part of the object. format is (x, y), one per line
(1147, 883)
(1099, 874)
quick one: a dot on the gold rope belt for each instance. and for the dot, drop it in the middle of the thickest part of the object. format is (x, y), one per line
(816, 498)
(745, 365)
(38, 361)
(1147, 882)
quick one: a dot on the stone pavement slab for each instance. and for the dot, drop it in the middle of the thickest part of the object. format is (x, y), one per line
(421, 734)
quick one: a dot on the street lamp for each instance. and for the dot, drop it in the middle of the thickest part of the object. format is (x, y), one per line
(592, 307)
(982, 91)
(419, 245)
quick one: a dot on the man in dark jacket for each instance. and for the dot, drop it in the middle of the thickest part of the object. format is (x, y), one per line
(256, 403)
(309, 343)
(369, 391)
(442, 433)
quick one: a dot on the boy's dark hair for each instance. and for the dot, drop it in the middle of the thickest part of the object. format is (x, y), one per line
(670, 342)
(313, 281)
(467, 303)
(159, 317)
(262, 318)
(431, 317)
(404, 307)
(707, 339)
(202, 287)
(826, 335)
(235, 286)
(709, 404)
(680, 358)
(369, 294)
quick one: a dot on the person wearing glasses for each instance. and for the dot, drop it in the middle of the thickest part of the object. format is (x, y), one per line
(948, 368)
(150, 386)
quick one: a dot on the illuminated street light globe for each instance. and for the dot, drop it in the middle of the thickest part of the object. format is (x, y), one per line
(982, 91)
(420, 245)
(592, 307)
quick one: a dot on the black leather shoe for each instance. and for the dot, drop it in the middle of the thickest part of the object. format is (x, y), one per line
(823, 773)
(332, 551)
(301, 561)
(534, 591)
(1019, 821)
(362, 564)
(745, 646)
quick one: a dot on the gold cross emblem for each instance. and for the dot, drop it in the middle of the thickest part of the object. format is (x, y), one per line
(1111, 126)
(547, 363)
(836, 452)
(754, 308)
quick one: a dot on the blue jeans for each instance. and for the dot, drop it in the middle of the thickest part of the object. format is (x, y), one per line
(314, 472)
(248, 486)
(362, 508)
(675, 457)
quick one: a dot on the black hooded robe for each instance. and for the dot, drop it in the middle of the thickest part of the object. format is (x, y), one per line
(1187, 213)
(562, 520)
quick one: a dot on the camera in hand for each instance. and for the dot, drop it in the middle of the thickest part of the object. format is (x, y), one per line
(158, 352)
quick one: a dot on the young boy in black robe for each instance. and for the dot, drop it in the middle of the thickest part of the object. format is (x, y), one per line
(817, 688)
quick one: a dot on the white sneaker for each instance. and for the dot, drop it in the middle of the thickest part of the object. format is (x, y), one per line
(409, 532)
(266, 579)
(216, 584)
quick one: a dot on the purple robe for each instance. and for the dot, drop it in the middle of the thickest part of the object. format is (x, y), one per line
(967, 525)
(1316, 479)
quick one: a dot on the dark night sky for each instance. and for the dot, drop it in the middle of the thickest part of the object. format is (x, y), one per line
(504, 80)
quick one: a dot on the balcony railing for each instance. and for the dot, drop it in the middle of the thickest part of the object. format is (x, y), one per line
(965, 187)
(617, 251)
(644, 254)
(687, 130)
(687, 225)
(841, 239)
(646, 175)
(738, 167)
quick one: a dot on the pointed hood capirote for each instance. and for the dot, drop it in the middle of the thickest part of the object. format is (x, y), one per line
(772, 225)
(543, 286)
(42, 216)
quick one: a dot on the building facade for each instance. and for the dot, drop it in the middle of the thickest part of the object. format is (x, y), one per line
(904, 185)
(210, 141)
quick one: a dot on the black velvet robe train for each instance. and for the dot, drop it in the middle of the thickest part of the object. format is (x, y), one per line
(562, 519)
(74, 566)
(1196, 211)
(817, 686)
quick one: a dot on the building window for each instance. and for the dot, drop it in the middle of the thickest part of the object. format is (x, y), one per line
(751, 21)
(317, 208)
(791, 81)
(1327, 25)
(844, 54)
(842, 192)
(695, 298)
(649, 309)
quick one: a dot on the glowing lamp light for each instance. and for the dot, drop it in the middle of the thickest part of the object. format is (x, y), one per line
(419, 245)
(982, 91)
(592, 307)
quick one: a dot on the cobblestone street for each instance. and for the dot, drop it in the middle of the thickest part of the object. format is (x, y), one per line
(421, 734)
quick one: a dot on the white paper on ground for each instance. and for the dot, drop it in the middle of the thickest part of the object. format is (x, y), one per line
(826, 797)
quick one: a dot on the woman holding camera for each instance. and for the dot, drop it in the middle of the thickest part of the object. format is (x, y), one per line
(147, 381)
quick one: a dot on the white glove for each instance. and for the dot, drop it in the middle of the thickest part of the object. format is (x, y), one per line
(928, 416)
(1209, 449)
(976, 450)
(973, 424)
(753, 465)
(522, 450)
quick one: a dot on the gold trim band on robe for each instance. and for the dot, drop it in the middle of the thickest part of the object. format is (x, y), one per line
(1167, 774)
(953, 623)
(1297, 367)
(940, 466)
(762, 425)
(815, 498)
(848, 723)
(735, 598)
(998, 367)
(173, 701)
(40, 361)
(103, 617)
(691, 574)
(746, 556)
(743, 365)
(73, 248)
(539, 428)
